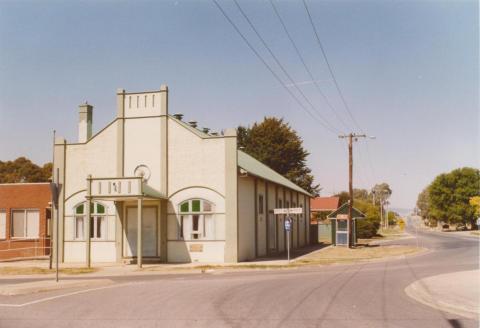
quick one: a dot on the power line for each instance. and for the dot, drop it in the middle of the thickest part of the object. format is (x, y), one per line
(336, 83)
(281, 66)
(268, 66)
(372, 167)
(363, 171)
(330, 68)
(306, 66)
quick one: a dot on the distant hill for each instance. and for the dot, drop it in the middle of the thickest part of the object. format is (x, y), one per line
(401, 211)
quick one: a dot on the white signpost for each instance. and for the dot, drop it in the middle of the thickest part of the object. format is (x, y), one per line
(288, 222)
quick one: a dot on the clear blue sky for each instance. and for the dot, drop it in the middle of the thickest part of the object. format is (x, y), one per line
(408, 70)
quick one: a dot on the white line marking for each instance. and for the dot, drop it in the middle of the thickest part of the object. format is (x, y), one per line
(46, 299)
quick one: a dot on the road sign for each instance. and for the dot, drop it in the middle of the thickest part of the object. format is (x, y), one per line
(288, 224)
(292, 210)
(478, 222)
(288, 228)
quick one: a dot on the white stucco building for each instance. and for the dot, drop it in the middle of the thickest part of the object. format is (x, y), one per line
(200, 199)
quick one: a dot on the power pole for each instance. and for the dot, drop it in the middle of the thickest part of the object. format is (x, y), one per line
(351, 138)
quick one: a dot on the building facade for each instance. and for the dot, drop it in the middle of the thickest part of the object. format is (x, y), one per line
(24, 220)
(160, 189)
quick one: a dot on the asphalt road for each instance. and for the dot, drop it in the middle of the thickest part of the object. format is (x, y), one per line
(360, 295)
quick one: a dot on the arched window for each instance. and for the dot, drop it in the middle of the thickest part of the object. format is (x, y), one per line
(197, 220)
(98, 221)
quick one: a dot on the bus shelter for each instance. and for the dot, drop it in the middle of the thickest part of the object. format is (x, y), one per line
(339, 220)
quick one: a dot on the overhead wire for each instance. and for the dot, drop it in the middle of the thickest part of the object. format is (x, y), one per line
(307, 69)
(252, 48)
(323, 121)
(330, 68)
(337, 86)
(363, 171)
(282, 67)
(370, 163)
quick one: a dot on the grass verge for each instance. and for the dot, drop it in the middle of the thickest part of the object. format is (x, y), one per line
(329, 256)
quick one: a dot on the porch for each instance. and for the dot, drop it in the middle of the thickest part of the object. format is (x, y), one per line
(139, 223)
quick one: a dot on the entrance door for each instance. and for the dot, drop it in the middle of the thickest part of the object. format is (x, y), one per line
(149, 228)
(342, 232)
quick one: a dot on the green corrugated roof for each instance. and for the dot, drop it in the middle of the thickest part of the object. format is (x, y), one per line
(344, 210)
(255, 167)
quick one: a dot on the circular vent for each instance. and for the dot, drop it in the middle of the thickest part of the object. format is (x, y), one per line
(142, 171)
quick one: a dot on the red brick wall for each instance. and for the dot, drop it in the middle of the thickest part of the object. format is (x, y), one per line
(25, 196)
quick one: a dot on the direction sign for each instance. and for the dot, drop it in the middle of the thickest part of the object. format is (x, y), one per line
(292, 210)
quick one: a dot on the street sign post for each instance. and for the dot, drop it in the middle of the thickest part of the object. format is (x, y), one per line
(288, 228)
(288, 222)
(55, 189)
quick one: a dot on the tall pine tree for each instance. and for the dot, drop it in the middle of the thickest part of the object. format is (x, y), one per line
(274, 143)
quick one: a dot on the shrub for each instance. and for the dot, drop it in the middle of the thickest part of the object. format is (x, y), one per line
(366, 228)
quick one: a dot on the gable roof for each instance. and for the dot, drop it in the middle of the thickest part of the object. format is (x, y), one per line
(196, 131)
(324, 203)
(356, 214)
(248, 163)
(257, 168)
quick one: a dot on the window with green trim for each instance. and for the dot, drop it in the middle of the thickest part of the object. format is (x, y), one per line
(98, 221)
(196, 206)
(79, 209)
(196, 220)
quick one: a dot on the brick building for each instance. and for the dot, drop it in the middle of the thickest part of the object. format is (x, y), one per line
(24, 216)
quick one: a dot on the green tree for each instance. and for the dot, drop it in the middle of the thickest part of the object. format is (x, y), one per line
(23, 170)
(382, 192)
(423, 203)
(343, 197)
(449, 196)
(358, 194)
(475, 202)
(362, 200)
(368, 227)
(274, 143)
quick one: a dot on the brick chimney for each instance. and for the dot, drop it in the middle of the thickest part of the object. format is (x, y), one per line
(85, 112)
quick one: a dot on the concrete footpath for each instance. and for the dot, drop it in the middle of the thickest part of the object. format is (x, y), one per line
(457, 292)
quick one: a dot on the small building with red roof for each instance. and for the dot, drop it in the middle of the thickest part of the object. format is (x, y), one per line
(321, 207)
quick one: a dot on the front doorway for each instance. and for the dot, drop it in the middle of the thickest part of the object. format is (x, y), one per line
(342, 232)
(149, 229)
